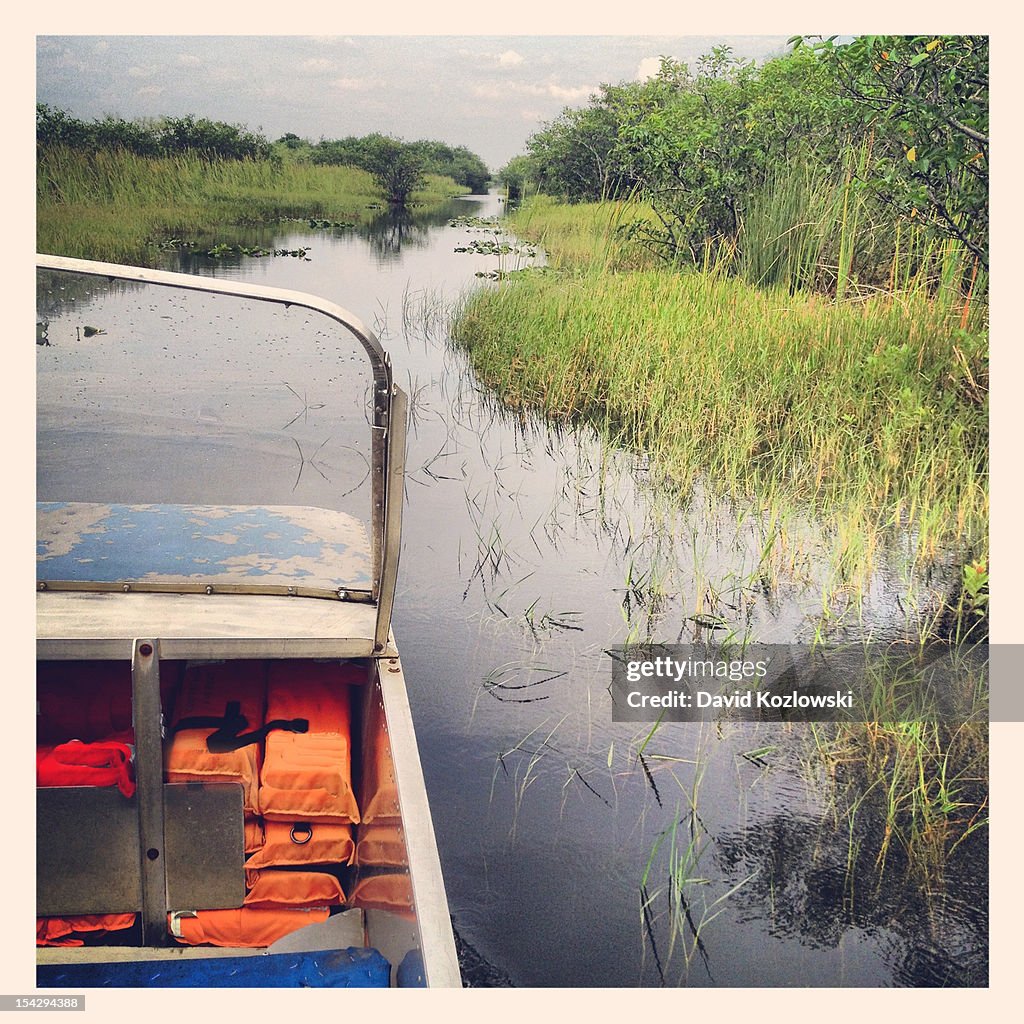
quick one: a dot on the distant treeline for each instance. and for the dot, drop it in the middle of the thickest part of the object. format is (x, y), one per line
(431, 157)
(164, 136)
(398, 167)
(894, 128)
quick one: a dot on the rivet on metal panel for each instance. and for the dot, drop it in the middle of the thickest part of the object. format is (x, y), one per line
(292, 592)
(41, 585)
(209, 588)
(145, 650)
(127, 587)
(342, 595)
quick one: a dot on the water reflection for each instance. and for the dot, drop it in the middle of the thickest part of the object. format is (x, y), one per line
(822, 884)
(394, 228)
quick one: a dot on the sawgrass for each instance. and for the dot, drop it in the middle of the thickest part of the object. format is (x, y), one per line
(592, 236)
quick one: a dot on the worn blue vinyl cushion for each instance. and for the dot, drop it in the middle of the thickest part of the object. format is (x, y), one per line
(167, 546)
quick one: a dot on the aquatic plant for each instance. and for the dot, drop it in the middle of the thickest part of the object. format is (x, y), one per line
(677, 892)
(925, 784)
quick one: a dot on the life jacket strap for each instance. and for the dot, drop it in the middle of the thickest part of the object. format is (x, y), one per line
(228, 735)
(223, 741)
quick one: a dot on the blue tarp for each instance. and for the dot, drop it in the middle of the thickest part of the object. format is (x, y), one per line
(338, 968)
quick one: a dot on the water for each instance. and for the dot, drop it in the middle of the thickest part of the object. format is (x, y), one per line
(528, 549)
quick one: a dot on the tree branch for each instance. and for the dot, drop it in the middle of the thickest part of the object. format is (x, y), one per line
(968, 131)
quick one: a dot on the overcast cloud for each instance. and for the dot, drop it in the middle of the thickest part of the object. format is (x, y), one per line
(488, 93)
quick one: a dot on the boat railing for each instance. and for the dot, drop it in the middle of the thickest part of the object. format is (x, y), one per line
(389, 407)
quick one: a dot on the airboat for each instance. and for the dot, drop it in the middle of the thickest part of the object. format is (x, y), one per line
(229, 789)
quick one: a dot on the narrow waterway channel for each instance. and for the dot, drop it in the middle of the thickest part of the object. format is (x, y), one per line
(575, 851)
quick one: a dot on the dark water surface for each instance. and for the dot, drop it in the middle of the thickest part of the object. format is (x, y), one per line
(575, 851)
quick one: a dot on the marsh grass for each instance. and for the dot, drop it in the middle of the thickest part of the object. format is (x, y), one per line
(808, 229)
(922, 786)
(827, 372)
(908, 793)
(871, 414)
(586, 235)
(678, 897)
(109, 204)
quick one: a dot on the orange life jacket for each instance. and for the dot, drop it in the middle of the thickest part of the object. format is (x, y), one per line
(303, 843)
(249, 927)
(211, 693)
(103, 763)
(254, 834)
(281, 887)
(68, 931)
(308, 777)
(86, 764)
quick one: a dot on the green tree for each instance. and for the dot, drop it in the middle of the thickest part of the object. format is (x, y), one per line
(397, 167)
(212, 139)
(687, 142)
(350, 150)
(59, 128)
(847, 140)
(572, 156)
(456, 162)
(515, 175)
(695, 144)
(924, 101)
(394, 163)
(469, 170)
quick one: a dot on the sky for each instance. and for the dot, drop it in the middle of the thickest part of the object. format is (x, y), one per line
(488, 93)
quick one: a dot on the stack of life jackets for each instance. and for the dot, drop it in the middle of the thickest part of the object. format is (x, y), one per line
(84, 738)
(383, 881)
(284, 733)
